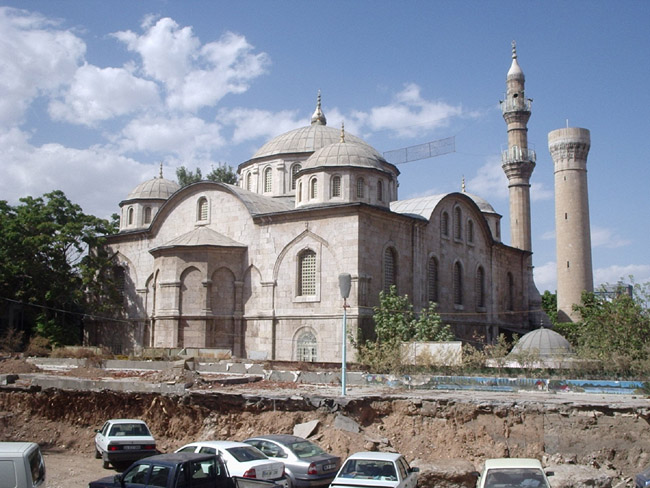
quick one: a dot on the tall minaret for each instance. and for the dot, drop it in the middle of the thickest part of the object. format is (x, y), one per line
(569, 149)
(518, 162)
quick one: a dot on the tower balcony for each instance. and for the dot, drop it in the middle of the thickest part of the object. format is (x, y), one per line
(516, 153)
(519, 104)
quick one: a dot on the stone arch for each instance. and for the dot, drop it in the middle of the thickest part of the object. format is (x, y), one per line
(191, 296)
(222, 299)
(305, 344)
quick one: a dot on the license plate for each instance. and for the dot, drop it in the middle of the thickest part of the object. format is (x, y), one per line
(267, 474)
(328, 467)
(132, 447)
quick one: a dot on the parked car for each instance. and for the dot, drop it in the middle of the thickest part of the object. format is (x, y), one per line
(21, 465)
(642, 480)
(305, 463)
(376, 469)
(242, 460)
(179, 470)
(506, 472)
(124, 440)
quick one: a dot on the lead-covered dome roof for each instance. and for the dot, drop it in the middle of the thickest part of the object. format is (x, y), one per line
(154, 189)
(346, 154)
(544, 343)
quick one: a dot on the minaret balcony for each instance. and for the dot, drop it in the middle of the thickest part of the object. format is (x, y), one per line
(516, 154)
(518, 104)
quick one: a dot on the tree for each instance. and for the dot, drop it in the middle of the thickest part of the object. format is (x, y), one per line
(223, 173)
(45, 265)
(549, 305)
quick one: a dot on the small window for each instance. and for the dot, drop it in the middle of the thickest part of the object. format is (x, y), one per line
(480, 287)
(307, 270)
(389, 269)
(268, 175)
(380, 191)
(458, 284)
(444, 224)
(313, 188)
(249, 182)
(294, 171)
(510, 299)
(130, 215)
(470, 231)
(119, 276)
(360, 185)
(299, 191)
(147, 215)
(202, 213)
(336, 186)
(458, 227)
(432, 280)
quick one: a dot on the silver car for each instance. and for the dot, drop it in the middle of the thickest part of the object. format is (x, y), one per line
(305, 463)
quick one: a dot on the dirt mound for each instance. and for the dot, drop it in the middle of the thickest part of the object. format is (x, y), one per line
(17, 366)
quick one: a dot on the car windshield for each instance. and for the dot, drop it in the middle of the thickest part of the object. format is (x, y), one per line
(369, 469)
(248, 453)
(123, 430)
(511, 477)
(306, 449)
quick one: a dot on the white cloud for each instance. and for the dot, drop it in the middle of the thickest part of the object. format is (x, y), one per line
(546, 276)
(97, 94)
(195, 76)
(252, 124)
(490, 180)
(37, 58)
(603, 237)
(615, 273)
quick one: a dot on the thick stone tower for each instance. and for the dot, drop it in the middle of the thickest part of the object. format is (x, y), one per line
(569, 149)
(518, 162)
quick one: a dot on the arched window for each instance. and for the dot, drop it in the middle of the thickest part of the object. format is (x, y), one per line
(130, 216)
(268, 175)
(307, 273)
(202, 209)
(306, 347)
(480, 287)
(336, 186)
(147, 215)
(432, 280)
(380, 191)
(313, 188)
(458, 283)
(299, 191)
(470, 231)
(294, 171)
(390, 271)
(458, 223)
(510, 298)
(444, 224)
(249, 182)
(360, 185)
(119, 275)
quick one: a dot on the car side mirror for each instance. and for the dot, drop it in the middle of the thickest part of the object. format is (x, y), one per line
(549, 473)
(118, 479)
(476, 474)
(415, 470)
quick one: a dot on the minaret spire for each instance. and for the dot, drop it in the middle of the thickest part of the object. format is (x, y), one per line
(161, 166)
(318, 118)
(342, 131)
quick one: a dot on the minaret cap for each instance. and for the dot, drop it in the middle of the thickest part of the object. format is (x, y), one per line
(515, 70)
(318, 118)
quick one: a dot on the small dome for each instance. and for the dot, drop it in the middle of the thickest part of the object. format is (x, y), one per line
(481, 203)
(154, 189)
(544, 342)
(346, 154)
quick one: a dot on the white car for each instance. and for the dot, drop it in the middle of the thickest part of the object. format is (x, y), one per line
(242, 460)
(376, 469)
(124, 440)
(506, 472)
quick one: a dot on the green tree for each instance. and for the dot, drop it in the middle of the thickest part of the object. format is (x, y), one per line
(223, 173)
(45, 265)
(549, 305)
(187, 177)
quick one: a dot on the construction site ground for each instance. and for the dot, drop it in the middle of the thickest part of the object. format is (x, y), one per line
(585, 439)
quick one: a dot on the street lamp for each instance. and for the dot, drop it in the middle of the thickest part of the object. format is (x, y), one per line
(345, 281)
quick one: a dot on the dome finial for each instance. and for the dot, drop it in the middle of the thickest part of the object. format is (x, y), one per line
(514, 50)
(462, 186)
(342, 131)
(318, 118)
(161, 166)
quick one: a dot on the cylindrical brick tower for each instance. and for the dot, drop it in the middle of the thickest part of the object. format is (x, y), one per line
(518, 162)
(569, 149)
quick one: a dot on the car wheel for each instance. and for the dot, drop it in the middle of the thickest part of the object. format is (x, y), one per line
(105, 464)
(98, 454)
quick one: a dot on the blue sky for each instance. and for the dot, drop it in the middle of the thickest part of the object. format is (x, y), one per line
(95, 94)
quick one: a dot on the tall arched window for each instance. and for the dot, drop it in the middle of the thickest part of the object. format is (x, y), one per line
(147, 215)
(380, 191)
(360, 185)
(432, 280)
(268, 180)
(119, 275)
(444, 224)
(307, 273)
(130, 216)
(390, 268)
(458, 283)
(294, 171)
(299, 191)
(202, 209)
(336, 186)
(470, 231)
(458, 223)
(510, 298)
(249, 182)
(307, 347)
(313, 188)
(480, 287)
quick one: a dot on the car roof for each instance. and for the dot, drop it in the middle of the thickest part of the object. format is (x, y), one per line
(16, 447)
(221, 444)
(380, 456)
(126, 421)
(512, 463)
(175, 457)
(281, 438)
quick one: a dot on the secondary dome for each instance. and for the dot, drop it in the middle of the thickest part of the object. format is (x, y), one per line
(544, 342)
(155, 188)
(346, 154)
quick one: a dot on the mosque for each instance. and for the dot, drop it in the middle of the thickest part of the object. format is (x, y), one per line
(252, 269)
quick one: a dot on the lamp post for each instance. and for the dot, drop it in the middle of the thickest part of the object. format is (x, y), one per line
(345, 281)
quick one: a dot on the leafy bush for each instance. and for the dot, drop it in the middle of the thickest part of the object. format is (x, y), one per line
(38, 346)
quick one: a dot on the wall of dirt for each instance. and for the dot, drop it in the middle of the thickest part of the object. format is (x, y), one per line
(425, 431)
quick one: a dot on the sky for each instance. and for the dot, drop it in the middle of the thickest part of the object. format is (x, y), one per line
(96, 94)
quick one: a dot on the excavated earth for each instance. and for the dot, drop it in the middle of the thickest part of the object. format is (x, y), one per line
(587, 440)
